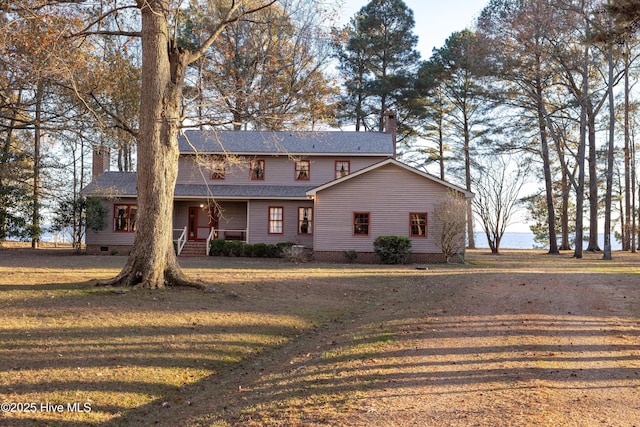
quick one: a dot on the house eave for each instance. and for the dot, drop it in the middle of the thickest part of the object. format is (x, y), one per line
(312, 192)
(286, 154)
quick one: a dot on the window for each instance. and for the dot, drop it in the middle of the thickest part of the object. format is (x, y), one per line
(257, 170)
(342, 168)
(275, 220)
(305, 220)
(302, 170)
(217, 168)
(361, 223)
(418, 224)
(124, 218)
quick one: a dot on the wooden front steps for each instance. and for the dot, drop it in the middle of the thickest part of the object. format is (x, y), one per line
(192, 248)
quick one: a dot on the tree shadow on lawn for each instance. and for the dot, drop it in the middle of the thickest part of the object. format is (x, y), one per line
(303, 349)
(74, 342)
(416, 348)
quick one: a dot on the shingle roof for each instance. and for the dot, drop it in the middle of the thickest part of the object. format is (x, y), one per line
(123, 184)
(260, 142)
(112, 184)
(242, 191)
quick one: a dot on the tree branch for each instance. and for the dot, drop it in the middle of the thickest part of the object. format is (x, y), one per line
(228, 19)
(86, 32)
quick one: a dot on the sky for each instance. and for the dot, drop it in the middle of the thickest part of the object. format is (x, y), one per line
(435, 19)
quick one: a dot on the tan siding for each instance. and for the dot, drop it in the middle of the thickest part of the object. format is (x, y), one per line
(108, 237)
(278, 171)
(233, 216)
(259, 222)
(389, 194)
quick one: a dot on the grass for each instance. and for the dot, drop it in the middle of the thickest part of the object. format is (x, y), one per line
(124, 353)
(63, 340)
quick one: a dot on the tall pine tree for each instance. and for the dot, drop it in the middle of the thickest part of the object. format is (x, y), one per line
(379, 64)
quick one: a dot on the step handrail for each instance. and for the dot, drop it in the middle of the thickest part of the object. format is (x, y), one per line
(182, 240)
(209, 237)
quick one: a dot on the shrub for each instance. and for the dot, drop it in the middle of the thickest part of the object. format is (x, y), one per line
(247, 249)
(225, 249)
(259, 249)
(215, 247)
(271, 250)
(232, 247)
(392, 249)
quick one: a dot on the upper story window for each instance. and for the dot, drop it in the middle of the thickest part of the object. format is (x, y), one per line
(302, 170)
(342, 168)
(124, 218)
(418, 224)
(305, 220)
(257, 170)
(361, 223)
(217, 168)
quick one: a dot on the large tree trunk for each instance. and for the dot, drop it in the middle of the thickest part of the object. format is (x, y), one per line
(578, 251)
(152, 262)
(593, 182)
(35, 213)
(609, 174)
(565, 244)
(626, 228)
(546, 162)
(467, 171)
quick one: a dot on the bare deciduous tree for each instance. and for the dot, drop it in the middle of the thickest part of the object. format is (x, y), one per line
(450, 224)
(497, 190)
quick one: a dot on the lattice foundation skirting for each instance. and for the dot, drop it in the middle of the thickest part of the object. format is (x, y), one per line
(372, 258)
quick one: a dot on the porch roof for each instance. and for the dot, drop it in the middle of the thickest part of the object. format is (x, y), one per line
(123, 184)
(185, 191)
(112, 184)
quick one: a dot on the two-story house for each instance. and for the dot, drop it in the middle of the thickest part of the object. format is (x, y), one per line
(328, 191)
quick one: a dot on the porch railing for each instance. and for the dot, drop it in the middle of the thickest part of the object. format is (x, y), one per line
(209, 237)
(182, 240)
(239, 234)
(232, 234)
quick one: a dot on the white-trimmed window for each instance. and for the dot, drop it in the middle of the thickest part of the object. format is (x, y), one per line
(276, 219)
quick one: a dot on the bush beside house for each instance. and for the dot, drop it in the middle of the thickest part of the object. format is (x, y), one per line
(392, 249)
(218, 247)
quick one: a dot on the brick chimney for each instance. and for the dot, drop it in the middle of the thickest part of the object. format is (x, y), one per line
(101, 160)
(391, 126)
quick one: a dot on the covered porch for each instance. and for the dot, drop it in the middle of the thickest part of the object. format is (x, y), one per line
(197, 222)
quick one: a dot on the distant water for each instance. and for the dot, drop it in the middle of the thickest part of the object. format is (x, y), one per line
(524, 240)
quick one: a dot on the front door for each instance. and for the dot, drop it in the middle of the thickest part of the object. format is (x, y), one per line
(193, 223)
(201, 220)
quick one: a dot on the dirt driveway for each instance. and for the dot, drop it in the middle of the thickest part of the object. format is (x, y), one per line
(517, 340)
